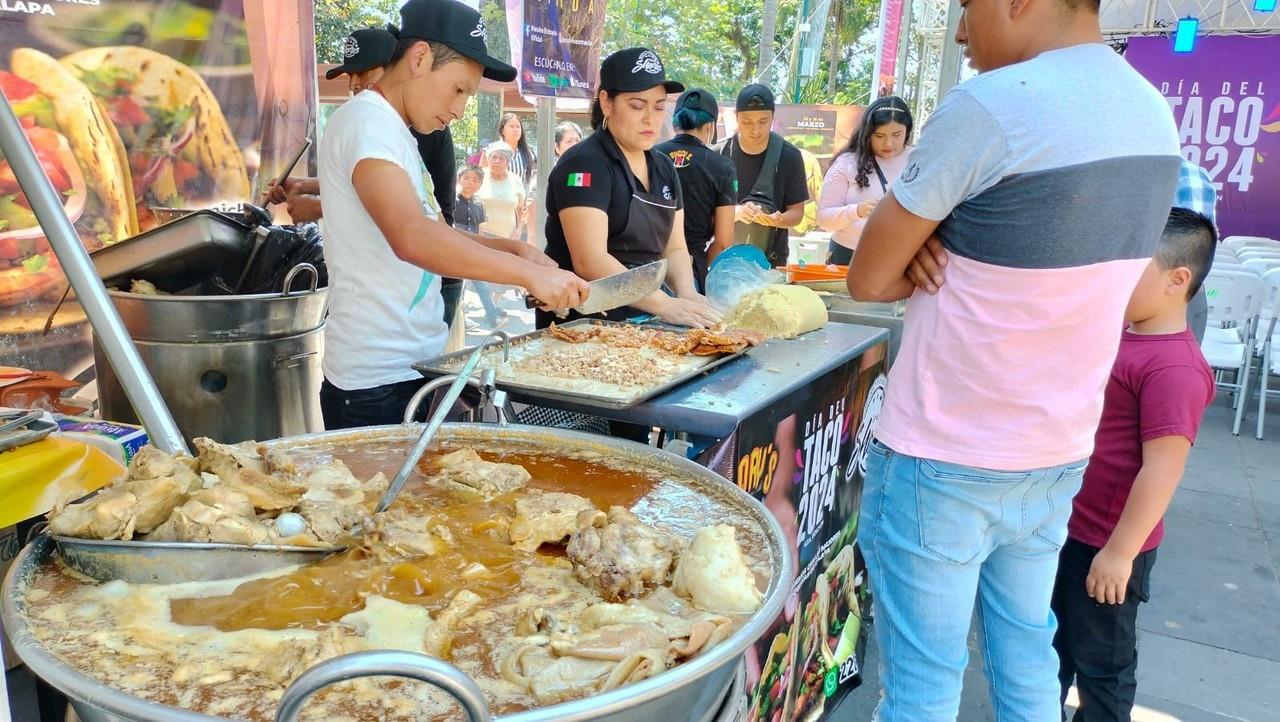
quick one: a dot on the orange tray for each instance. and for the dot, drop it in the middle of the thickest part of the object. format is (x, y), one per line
(814, 272)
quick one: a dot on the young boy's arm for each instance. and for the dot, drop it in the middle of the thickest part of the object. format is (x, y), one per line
(1163, 461)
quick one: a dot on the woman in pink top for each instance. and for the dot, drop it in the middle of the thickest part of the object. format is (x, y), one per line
(861, 175)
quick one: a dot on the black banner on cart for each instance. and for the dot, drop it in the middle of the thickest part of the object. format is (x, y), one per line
(805, 459)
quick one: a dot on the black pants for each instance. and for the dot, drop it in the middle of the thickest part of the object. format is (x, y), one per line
(1097, 644)
(838, 254)
(451, 293)
(377, 406)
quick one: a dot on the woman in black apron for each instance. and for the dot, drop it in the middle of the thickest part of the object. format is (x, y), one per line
(614, 203)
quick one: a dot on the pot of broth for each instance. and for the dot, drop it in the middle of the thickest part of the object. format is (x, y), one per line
(602, 587)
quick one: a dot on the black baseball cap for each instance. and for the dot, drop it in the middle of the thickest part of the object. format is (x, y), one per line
(453, 24)
(362, 50)
(755, 97)
(698, 99)
(634, 70)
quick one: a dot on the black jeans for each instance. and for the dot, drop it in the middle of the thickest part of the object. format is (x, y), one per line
(377, 406)
(451, 293)
(1097, 644)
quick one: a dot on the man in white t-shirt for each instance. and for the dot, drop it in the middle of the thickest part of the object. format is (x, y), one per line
(1047, 205)
(386, 245)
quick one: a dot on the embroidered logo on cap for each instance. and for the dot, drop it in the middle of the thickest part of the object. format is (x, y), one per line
(648, 62)
(350, 48)
(579, 180)
(480, 31)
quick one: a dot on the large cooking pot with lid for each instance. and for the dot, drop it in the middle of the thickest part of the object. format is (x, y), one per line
(689, 692)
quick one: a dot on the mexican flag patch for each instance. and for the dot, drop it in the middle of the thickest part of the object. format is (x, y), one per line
(579, 180)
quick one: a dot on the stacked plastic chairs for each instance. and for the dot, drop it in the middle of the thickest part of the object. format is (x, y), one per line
(1243, 292)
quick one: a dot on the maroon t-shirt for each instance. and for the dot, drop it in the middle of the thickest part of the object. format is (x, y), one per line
(1159, 386)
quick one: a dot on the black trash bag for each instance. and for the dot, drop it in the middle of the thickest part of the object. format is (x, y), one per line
(283, 249)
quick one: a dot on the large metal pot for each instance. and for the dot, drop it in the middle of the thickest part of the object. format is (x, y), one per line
(687, 693)
(231, 367)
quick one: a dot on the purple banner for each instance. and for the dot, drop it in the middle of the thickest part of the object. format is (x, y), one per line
(1225, 97)
(556, 45)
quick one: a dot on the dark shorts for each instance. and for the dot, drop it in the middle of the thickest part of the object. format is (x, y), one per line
(451, 293)
(838, 254)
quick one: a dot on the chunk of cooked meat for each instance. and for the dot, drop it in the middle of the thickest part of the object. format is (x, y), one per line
(398, 533)
(714, 575)
(128, 507)
(152, 463)
(624, 557)
(439, 638)
(216, 514)
(464, 470)
(548, 517)
(240, 467)
(107, 515)
(331, 521)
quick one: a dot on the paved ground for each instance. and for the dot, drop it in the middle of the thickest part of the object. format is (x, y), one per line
(1210, 638)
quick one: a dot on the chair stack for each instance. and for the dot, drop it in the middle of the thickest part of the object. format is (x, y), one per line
(1243, 291)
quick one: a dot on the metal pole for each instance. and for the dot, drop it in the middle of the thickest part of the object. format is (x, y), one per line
(952, 53)
(546, 120)
(76, 264)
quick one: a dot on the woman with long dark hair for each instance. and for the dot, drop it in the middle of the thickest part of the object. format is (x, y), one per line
(511, 132)
(862, 174)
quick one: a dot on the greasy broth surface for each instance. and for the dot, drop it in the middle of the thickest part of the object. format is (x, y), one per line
(312, 597)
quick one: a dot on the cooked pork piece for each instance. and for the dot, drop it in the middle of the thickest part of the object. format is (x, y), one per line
(713, 573)
(128, 507)
(240, 467)
(464, 470)
(439, 638)
(152, 463)
(398, 533)
(108, 515)
(550, 517)
(216, 514)
(622, 558)
(331, 521)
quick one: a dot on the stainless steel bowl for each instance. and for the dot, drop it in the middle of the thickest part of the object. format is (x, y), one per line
(683, 694)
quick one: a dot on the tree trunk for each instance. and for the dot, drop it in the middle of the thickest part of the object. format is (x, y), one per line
(768, 29)
(833, 60)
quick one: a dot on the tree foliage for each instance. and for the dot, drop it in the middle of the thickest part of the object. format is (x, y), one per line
(713, 44)
(335, 19)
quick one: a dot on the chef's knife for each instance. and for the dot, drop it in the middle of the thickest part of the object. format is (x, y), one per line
(620, 289)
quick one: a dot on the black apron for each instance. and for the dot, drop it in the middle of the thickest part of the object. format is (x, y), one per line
(642, 240)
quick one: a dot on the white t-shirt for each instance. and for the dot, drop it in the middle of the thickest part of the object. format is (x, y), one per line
(501, 199)
(384, 314)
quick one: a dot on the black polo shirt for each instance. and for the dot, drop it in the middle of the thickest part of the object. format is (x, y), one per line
(708, 181)
(592, 174)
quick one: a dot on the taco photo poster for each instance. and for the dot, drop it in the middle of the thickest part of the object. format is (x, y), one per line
(805, 458)
(177, 144)
(81, 154)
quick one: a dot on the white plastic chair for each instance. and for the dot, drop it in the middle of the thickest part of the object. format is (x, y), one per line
(1235, 300)
(1259, 266)
(1235, 243)
(1246, 254)
(1270, 344)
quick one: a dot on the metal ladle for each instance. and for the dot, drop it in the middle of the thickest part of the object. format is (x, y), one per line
(144, 562)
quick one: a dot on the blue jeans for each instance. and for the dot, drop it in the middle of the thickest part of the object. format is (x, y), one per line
(486, 292)
(939, 538)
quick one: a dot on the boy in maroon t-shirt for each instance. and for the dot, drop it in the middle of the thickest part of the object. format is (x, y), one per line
(1155, 398)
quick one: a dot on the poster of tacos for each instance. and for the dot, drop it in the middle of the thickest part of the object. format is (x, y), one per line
(805, 459)
(135, 108)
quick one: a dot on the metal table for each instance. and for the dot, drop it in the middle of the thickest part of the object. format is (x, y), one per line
(716, 404)
(881, 315)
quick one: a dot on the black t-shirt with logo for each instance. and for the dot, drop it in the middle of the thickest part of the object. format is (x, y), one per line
(592, 174)
(707, 181)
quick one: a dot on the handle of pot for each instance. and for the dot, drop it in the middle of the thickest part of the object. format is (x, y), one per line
(385, 663)
(293, 273)
(411, 411)
(292, 360)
